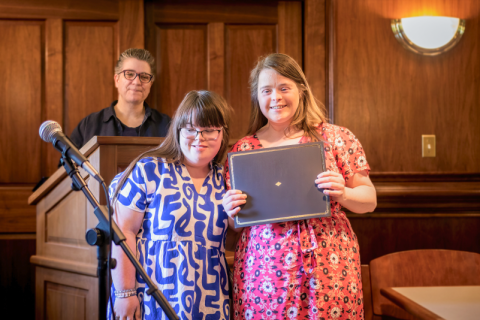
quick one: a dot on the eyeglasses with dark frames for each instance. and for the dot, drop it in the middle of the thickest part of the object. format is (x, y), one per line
(207, 134)
(131, 75)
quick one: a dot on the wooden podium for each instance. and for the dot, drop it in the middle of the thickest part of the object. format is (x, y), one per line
(66, 266)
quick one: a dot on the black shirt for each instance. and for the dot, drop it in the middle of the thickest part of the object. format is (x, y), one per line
(130, 132)
(106, 123)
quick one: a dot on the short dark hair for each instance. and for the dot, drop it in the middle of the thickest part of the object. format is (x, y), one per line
(139, 54)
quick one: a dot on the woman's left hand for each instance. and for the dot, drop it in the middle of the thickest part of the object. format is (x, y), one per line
(333, 184)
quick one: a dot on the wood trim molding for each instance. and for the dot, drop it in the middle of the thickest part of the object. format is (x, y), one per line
(290, 30)
(428, 197)
(17, 236)
(315, 47)
(427, 194)
(330, 85)
(424, 177)
(228, 12)
(427, 189)
(73, 10)
(216, 57)
(150, 44)
(132, 24)
(64, 265)
(53, 86)
(16, 216)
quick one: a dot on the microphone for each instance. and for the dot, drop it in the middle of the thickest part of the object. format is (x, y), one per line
(51, 131)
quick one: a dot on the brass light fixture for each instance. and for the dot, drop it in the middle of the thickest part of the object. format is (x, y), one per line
(427, 35)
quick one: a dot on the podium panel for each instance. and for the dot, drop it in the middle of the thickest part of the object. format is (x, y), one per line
(65, 295)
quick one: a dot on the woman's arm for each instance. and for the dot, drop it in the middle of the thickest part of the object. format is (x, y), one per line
(129, 221)
(357, 195)
(232, 200)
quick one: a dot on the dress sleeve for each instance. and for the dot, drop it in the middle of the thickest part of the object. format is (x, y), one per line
(134, 193)
(113, 186)
(349, 154)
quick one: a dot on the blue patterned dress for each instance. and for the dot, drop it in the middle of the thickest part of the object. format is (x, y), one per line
(181, 243)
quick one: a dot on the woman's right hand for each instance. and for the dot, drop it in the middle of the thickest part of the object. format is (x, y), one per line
(232, 200)
(127, 308)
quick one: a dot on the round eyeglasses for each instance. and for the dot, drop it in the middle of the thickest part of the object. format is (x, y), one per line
(207, 134)
(131, 75)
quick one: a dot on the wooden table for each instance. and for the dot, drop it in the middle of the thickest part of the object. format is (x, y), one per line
(434, 303)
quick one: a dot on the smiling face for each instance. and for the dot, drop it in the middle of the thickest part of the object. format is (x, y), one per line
(133, 91)
(278, 97)
(199, 152)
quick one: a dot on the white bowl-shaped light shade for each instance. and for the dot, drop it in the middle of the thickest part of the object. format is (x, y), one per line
(428, 35)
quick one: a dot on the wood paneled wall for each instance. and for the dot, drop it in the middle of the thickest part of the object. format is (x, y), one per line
(58, 60)
(65, 54)
(59, 66)
(389, 96)
(315, 47)
(90, 52)
(241, 58)
(214, 45)
(21, 46)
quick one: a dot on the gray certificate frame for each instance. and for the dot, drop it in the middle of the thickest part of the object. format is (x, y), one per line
(267, 202)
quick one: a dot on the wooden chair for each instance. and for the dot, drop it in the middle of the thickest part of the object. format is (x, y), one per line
(419, 268)
(367, 292)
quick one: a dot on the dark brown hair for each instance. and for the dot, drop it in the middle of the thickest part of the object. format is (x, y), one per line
(309, 114)
(202, 108)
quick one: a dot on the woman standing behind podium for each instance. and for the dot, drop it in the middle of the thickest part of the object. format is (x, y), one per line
(168, 203)
(130, 115)
(300, 269)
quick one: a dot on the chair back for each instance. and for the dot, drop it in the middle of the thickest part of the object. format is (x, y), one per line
(418, 268)
(367, 292)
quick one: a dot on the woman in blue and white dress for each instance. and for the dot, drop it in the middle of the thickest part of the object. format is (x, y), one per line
(168, 203)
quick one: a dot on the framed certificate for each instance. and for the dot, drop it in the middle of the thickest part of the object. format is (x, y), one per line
(279, 183)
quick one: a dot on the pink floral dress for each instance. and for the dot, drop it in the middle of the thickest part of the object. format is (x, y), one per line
(302, 269)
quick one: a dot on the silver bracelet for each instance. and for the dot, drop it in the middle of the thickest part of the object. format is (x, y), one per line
(125, 293)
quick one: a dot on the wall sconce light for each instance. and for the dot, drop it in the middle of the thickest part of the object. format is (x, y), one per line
(429, 36)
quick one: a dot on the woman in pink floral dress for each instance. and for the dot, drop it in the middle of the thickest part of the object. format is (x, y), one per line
(306, 269)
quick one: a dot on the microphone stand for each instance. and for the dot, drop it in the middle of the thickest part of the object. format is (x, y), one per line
(101, 236)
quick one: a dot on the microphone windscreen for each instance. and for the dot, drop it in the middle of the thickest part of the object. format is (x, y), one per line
(48, 129)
